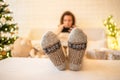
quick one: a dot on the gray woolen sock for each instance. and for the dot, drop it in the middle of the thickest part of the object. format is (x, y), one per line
(77, 44)
(52, 47)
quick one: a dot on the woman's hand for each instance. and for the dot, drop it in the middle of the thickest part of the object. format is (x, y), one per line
(59, 29)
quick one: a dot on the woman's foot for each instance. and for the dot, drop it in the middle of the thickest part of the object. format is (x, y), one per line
(77, 44)
(52, 47)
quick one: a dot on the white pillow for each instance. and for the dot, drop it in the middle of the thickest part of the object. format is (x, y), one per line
(97, 54)
(96, 44)
(94, 33)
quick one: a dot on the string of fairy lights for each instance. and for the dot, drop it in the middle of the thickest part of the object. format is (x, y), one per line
(112, 31)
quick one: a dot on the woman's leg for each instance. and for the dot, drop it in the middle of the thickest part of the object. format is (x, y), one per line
(77, 44)
(52, 47)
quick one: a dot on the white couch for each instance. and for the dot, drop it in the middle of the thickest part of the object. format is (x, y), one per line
(96, 36)
(43, 69)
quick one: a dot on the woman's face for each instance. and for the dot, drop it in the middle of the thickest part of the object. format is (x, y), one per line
(67, 21)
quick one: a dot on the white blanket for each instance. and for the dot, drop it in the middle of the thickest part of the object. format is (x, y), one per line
(43, 69)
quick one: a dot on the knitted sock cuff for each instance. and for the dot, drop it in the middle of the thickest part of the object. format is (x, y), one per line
(52, 48)
(77, 46)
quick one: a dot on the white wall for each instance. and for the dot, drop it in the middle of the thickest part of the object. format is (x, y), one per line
(46, 13)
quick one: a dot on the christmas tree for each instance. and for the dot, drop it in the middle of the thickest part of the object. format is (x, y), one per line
(8, 30)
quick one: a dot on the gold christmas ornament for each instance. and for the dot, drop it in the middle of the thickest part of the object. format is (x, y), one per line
(3, 53)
